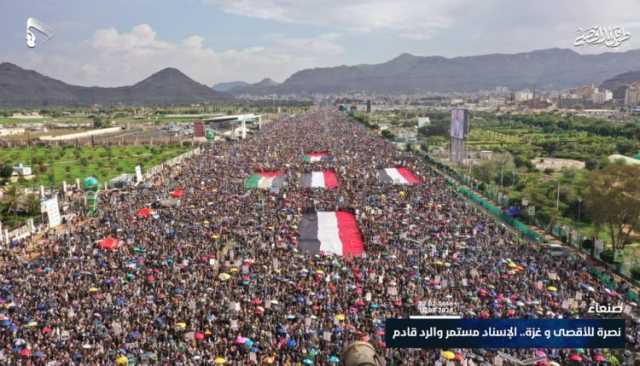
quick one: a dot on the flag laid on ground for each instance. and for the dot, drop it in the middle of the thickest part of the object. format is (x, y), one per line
(325, 179)
(265, 180)
(109, 243)
(331, 232)
(177, 193)
(314, 156)
(398, 175)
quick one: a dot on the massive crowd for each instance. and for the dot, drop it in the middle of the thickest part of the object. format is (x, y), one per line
(218, 278)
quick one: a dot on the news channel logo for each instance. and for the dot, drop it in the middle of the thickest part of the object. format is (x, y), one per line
(34, 25)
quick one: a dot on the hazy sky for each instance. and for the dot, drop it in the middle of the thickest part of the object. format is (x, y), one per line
(119, 42)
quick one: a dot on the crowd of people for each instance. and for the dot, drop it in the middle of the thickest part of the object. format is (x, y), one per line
(213, 275)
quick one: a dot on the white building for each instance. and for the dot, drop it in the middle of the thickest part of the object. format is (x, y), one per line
(423, 121)
(21, 171)
(601, 96)
(523, 95)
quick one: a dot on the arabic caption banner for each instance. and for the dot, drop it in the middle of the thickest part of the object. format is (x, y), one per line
(505, 333)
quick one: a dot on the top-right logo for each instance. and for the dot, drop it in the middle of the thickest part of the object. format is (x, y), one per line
(611, 37)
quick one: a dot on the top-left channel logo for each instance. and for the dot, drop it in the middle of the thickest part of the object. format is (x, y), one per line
(34, 24)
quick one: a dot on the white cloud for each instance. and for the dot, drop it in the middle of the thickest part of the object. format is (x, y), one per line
(415, 19)
(324, 44)
(428, 19)
(113, 58)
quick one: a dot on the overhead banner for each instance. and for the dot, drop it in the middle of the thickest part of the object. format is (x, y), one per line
(53, 212)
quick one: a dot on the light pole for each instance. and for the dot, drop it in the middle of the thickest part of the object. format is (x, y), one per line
(579, 207)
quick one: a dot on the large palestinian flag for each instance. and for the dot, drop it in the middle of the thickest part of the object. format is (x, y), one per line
(265, 180)
(330, 232)
(314, 156)
(324, 179)
(398, 175)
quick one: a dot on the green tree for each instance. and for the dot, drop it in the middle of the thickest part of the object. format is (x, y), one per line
(99, 121)
(613, 201)
(6, 171)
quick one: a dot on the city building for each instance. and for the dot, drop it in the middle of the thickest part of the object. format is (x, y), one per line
(523, 95)
(584, 92)
(632, 95)
(21, 171)
(423, 121)
(601, 96)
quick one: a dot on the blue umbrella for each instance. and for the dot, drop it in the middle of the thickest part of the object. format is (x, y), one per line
(334, 359)
(248, 343)
(292, 343)
(307, 361)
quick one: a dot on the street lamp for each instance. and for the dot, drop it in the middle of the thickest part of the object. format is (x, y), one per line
(579, 207)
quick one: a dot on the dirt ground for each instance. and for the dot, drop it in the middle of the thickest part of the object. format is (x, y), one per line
(557, 164)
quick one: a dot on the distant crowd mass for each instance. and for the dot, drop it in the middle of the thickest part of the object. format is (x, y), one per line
(221, 277)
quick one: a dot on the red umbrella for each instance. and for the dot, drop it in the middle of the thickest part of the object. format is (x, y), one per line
(25, 352)
(199, 336)
(109, 243)
(575, 357)
(599, 358)
(144, 212)
(177, 193)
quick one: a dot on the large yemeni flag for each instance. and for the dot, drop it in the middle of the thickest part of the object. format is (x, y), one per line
(325, 179)
(265, 180)
(330, 232)
(314, 156)
(398, 175)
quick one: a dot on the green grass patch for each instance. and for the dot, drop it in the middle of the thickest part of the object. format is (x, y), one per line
(102, 162)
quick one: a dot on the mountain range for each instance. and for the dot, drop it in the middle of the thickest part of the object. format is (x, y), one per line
(408, 74)
(27, 88)
(264, 86)
(225, 87)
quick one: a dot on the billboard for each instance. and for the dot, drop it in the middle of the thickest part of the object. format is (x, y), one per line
(53, 211)
(459, 123)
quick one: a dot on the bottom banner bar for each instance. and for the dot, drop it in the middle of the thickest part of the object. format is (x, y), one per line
(505, 333)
